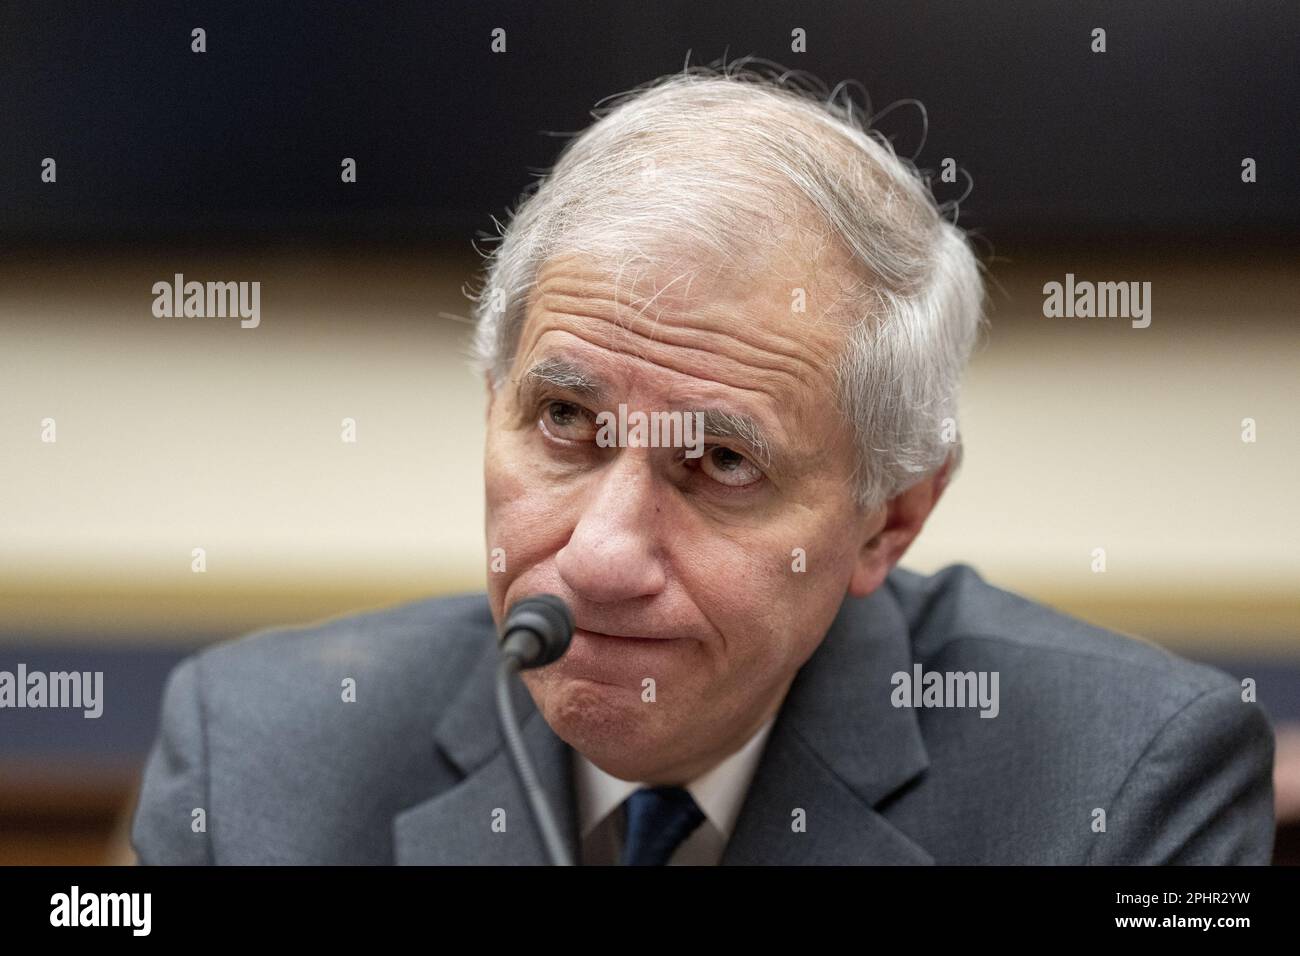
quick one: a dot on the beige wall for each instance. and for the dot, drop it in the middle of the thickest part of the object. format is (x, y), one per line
(183, 433)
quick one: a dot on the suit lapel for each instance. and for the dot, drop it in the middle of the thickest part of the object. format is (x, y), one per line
(456, 826)
(838, 749)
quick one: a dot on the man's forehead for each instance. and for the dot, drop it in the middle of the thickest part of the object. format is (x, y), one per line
(767, 342)
(779, 320)
(783, 284)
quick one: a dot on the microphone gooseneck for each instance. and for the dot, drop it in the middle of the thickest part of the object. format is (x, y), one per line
(536, 632)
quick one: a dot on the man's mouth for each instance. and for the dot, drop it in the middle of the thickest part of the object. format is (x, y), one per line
(623, 660)
(646, 639)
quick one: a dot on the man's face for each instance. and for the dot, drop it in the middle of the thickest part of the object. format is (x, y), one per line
(679, 570)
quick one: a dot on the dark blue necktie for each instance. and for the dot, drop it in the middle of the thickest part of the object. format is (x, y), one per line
(658, 820)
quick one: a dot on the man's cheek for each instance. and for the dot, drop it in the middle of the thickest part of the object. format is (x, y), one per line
(742, 582)
(526, 527)
(501, 469)
(512, 491)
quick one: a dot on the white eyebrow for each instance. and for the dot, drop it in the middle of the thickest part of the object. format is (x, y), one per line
(564, 375)
(718, 422)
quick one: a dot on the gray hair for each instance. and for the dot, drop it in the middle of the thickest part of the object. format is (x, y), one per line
(718, 161)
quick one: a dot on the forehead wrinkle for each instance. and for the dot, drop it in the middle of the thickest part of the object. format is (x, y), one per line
(607, 363)
(599, 295)
(701, 322)
(632, 341)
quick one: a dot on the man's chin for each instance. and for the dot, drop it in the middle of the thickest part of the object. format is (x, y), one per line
(609, 724)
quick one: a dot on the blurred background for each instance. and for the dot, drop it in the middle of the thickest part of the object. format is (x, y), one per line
(177, 434)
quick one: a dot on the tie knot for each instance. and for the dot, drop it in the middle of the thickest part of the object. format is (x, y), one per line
(658, 820)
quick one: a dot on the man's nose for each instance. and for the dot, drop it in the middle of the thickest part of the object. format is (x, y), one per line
(613, 553)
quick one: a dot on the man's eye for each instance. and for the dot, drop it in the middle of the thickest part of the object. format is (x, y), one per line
(568, 421)
(729, 467)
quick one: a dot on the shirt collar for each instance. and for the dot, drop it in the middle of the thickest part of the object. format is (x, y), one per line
(718, 792)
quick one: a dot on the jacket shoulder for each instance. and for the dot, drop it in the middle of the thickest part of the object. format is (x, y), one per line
(1087, 720)
(330, 722)
(430, 638)
(955, 612)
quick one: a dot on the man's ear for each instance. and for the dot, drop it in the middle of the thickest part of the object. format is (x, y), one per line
(890, 534)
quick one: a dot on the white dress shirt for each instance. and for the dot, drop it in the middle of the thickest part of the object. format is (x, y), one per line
(719, 793)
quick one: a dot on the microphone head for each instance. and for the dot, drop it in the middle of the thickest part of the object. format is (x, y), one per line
(537, 630)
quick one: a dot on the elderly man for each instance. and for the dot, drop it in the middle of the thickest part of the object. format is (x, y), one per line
(751, 678)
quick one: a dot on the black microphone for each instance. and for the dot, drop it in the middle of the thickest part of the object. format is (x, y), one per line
(536, 632)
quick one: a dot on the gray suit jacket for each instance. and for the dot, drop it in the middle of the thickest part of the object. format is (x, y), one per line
(256, 733)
